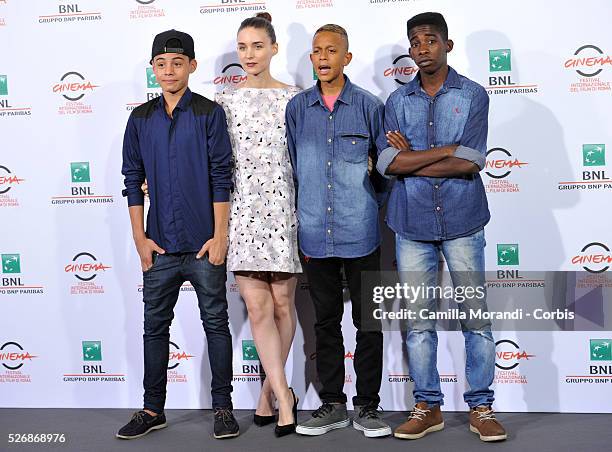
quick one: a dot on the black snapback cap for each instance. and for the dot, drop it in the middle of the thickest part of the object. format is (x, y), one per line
(172, 41)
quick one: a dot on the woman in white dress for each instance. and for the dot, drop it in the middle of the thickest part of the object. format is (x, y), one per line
(263, 251)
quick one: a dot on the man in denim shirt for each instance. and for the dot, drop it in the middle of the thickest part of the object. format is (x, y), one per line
(437, 127)
(333, 129)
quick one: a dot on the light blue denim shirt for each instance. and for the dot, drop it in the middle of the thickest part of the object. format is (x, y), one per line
(337, 201)
(433, 208)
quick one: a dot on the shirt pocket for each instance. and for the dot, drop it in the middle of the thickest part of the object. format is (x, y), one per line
(354, 146)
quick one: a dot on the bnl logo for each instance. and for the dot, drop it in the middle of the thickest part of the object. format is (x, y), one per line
(69, 9)
(3, 85)
(151, 79)
(152, 84)
(600, 350)
(500, 60)
(594, 155)
(92, 351)
(80, 174)
(249, 353)
(508, 255)
(11, 264)
(4, 103)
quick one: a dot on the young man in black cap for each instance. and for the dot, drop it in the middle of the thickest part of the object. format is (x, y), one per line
(437, 127)
(179, 143)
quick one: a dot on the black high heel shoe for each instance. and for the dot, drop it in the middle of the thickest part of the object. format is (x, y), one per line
(260, 421)
(283, 430)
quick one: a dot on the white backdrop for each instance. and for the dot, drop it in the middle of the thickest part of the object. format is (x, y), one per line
(71, 72)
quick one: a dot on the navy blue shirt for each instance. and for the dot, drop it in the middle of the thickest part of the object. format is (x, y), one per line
(186, 160)
(337, 201)
(435, 208)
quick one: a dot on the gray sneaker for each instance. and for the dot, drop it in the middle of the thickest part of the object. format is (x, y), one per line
(328, 417)
(368, 420)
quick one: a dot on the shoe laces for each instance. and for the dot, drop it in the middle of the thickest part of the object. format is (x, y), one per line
(323, 410)
(225, 414)
(418, 413)
(487, 415)
(369, 412)
(138, 416)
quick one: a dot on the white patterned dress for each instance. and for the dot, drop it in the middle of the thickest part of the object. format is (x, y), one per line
(263, 220)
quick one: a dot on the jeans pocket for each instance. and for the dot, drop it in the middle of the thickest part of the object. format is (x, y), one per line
(208, 262)
(154, 260)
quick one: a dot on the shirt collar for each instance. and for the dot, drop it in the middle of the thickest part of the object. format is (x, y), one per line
(345, 96)
(183, 103)
(452, 81)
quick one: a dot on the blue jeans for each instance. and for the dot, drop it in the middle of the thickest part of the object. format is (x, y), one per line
(162, 283)
(465, 259)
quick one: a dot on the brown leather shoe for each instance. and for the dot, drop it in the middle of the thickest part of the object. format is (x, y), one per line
(483, 422)
(423, 419)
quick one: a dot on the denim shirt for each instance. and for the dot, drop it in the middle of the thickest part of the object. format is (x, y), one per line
(187, 162)
(337, 201)
(434, 208)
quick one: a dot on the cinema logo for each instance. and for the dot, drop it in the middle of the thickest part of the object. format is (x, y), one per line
(500, 75)
(13, 358)
(153, 90)
(69, 12)
(589, 63)
(73, 87)
(402, 70)
(81, 188)
(499, 166)
(594, 257)
(92, 369)
(231, 75)
(251, 368)
(8, 182)
(85, 268)
(6, 109)
(11, 282)
(146, 9)
(508, 356)
(593, 174)
(176, 357)
(233, 6)
(312, 4)
(600, 366)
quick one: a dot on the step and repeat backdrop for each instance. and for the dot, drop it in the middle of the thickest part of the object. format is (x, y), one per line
(71, 71)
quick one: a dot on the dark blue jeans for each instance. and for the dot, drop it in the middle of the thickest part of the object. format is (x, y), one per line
(162, 283)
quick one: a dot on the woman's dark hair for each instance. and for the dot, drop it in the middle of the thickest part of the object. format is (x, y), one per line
(261, 21)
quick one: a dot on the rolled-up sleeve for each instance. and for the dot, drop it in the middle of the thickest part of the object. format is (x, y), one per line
(220, 155)
(473, 143)
(474, 156)
(376, 117)
(133, 167)
(388, 153)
